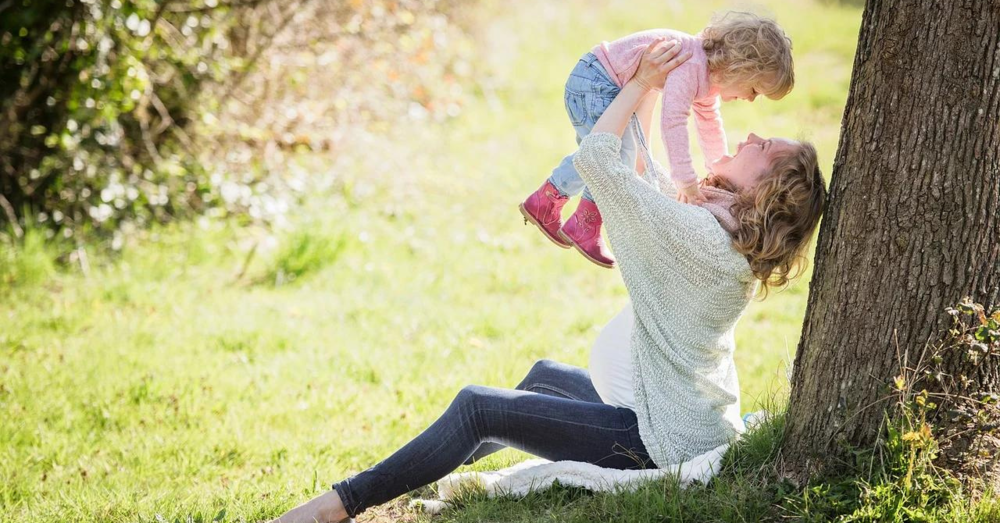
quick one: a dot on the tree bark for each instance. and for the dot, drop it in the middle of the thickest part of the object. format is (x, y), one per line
(912, 223)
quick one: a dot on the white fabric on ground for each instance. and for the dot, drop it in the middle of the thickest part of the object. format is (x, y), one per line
(539, 474)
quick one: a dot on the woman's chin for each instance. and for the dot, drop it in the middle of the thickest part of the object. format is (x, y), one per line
(724, 159)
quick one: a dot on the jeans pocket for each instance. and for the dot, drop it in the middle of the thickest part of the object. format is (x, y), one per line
(598, 104)
(631, 424)
(576, 107)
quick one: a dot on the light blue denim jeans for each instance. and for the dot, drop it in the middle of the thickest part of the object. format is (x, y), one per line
(589, 91)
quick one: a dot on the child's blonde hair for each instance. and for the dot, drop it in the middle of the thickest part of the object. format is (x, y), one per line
(746, 49)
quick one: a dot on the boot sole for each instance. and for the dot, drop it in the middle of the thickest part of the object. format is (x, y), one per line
(583, 252)
(529, 218)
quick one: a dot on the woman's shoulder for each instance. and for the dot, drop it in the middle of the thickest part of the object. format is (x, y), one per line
(715, 251)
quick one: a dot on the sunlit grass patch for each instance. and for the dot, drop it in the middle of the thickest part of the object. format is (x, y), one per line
(26, 260)
(302, 253)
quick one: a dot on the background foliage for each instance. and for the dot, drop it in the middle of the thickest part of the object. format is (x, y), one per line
(115, 114)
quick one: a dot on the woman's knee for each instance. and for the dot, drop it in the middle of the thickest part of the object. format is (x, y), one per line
(539, 373)
(470, 396)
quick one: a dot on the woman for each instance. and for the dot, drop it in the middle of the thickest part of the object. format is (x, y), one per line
(690, 273)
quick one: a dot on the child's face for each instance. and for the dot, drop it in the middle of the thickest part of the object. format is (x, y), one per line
(738, 92)
(753, 157)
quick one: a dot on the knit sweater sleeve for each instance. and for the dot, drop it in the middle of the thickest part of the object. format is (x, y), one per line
(663, 182)
(650, 225)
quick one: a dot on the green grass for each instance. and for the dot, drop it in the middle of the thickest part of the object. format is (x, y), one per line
(208, 367)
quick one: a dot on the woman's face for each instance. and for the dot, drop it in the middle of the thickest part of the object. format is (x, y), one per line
(752, 159)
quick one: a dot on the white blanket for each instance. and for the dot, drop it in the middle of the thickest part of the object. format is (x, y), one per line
(539, 474)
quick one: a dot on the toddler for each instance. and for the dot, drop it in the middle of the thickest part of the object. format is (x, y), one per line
(738, 56)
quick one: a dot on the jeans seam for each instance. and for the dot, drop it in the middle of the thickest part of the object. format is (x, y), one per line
(613, 452)
(346, 497)
(466, 419)
(631, 440)
(378, 482)
(463, 422)
(582, 101)
(598, 104)
(559, 420)
(553, 389)
(594, 63)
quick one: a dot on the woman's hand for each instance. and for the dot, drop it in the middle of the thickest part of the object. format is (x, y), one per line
(657, 61)
(659, 58)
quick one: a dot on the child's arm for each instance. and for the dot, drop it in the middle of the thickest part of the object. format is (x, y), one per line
(711, 134)
(679, 92)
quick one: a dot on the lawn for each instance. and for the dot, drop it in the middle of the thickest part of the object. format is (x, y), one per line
(210, 369)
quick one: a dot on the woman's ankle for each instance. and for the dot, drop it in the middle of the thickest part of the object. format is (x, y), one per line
(335, 507)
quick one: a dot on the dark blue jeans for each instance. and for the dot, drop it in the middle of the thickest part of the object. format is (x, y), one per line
(554, 413)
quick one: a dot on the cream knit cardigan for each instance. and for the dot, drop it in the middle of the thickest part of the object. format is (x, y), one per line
(688, 286)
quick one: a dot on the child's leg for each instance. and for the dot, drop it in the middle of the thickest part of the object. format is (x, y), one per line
(589, 91)
(564, 177)
(583, 229)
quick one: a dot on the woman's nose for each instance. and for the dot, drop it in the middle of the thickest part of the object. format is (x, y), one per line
(753, 138)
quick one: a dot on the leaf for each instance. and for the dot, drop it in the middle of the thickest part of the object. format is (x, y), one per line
(220, 516)
(966, 306)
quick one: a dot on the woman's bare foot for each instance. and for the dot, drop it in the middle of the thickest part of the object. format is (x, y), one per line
(326, 508)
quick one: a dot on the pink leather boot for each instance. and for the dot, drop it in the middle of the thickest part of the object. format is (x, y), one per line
(583, 231)
(544, 209)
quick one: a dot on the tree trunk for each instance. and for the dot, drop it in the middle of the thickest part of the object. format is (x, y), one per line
(912, 224)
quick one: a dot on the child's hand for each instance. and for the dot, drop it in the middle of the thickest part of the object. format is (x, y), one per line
(660, 57)
(691, 194)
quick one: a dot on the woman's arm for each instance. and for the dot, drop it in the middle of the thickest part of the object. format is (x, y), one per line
(645, 114)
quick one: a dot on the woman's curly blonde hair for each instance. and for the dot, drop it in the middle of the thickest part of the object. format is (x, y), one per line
(747, 50)
(778, 215)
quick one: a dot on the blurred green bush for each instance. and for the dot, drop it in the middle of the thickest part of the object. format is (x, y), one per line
(116, 114)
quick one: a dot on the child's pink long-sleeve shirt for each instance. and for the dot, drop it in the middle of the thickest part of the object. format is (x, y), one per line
(687, 87)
